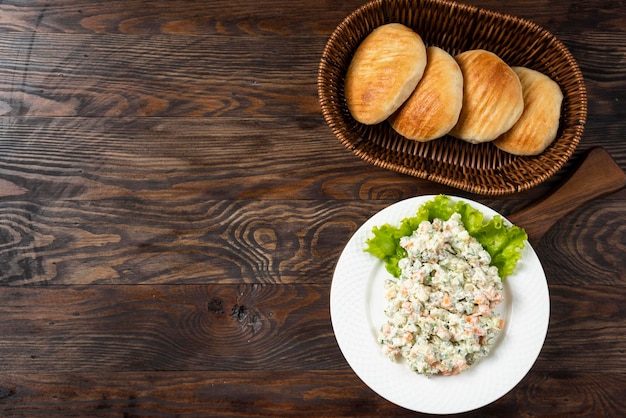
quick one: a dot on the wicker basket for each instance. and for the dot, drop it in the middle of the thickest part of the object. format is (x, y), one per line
(483, 168)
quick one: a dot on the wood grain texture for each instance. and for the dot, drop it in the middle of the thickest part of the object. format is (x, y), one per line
(247, 327)
(134, 241)
(188, 242)
(597, 175)
(178, 17)
(113, 75)
(184, 327)
(271, 18)
(575, 254)
(162, 350)
(259, 393)
(235, 74)
(172, 207)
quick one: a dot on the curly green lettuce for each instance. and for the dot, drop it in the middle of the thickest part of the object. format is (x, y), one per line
(503, 243)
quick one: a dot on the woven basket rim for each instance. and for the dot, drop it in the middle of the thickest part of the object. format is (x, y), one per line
(480, 169)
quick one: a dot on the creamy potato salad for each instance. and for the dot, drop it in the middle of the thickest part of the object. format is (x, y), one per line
(440, 310)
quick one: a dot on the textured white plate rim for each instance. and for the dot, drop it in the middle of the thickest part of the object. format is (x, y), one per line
(356, 302)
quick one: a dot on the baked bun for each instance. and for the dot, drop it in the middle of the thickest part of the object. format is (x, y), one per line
(537, 127)
(492, 97)
(434, 107)
(383, 73)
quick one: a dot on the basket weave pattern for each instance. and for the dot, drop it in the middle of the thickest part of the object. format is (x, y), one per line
(477, 168)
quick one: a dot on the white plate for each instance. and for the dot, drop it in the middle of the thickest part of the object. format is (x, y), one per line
(356, 309)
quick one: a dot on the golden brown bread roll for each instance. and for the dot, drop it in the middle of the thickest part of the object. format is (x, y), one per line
(492, 97)
(434, 107)
(383, 73)
(538, 125)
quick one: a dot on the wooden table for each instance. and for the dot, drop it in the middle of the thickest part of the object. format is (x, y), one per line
(173, 205)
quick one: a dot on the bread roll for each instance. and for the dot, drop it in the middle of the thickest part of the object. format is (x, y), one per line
(492, 97)
(383, 73)
(434, 107)
(538, 125)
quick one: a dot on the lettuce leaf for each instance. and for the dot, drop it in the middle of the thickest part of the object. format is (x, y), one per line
(503, 243)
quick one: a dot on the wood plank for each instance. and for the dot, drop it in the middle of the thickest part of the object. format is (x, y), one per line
(58, 329)
(189, 17)
(158, 75)
(128, 241)
(264, 393)
(133, 240)
(584, 331)
(173, 201)
(247, 327)
(276, 17)
(174, 158)
(49, 75)
(85, 158)
(587, 247)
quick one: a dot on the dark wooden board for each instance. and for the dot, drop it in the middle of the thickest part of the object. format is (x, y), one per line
(172, 207)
